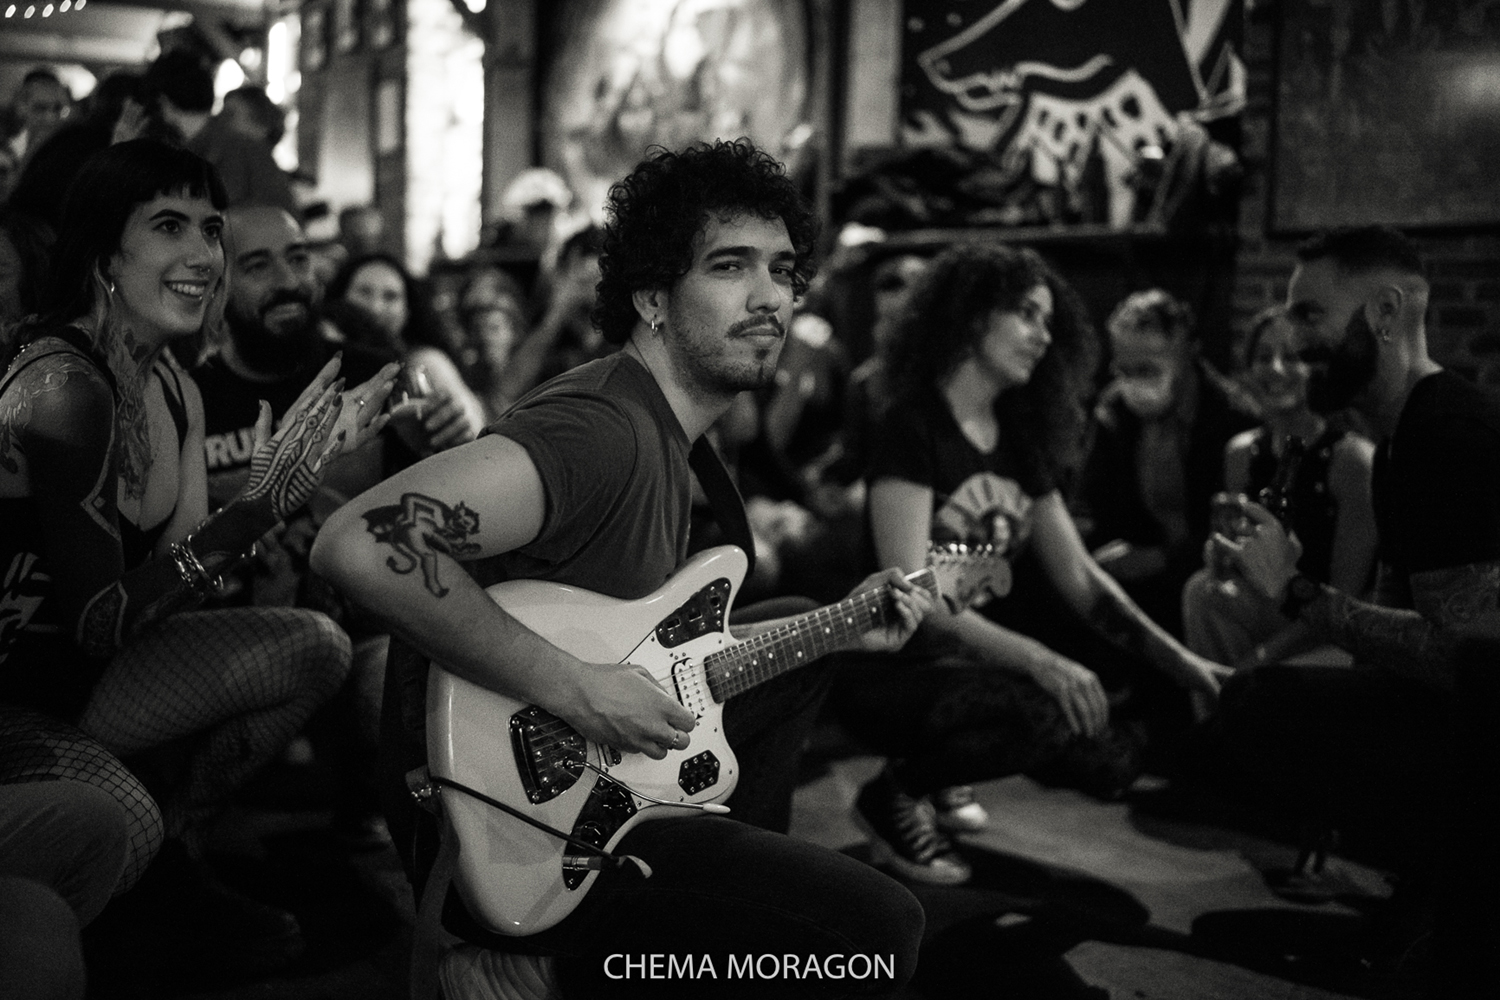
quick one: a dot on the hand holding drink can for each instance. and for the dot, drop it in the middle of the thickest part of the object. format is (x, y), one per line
(412, 385)
(1227, 518)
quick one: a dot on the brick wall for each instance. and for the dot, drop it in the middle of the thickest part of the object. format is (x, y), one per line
(1463, 322)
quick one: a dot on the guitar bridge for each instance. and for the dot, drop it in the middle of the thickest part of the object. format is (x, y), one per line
(549, 753)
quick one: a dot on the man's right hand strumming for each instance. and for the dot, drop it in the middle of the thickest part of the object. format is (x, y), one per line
(621, 705)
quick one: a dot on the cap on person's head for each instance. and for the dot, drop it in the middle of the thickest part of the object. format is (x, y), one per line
(182, 78)
(535, 187)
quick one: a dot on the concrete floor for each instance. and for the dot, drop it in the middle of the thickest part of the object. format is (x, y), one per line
(1071, 898)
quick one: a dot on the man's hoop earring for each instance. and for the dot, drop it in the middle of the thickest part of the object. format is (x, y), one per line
(1385, 336)
(655, 324)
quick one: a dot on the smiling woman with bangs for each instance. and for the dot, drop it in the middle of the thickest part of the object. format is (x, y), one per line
(106, 541)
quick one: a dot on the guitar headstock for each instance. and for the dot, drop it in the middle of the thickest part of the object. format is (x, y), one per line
(963, 573)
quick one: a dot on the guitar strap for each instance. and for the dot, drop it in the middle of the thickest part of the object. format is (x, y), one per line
(723, 498)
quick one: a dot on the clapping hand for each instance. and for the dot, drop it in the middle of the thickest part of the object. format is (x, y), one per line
(323, 423)
(363, 413)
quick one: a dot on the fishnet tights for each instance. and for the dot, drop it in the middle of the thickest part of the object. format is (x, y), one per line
(36, 747)
(241, 681)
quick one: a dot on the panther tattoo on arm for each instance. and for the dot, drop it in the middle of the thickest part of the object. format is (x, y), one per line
(420, 527)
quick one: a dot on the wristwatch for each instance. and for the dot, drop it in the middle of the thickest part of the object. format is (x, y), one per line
(1300, 592)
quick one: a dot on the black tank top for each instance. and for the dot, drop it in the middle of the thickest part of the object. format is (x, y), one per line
(1314, 510)
(40, 665)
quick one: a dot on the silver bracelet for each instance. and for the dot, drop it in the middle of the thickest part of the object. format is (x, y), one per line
(190, 569)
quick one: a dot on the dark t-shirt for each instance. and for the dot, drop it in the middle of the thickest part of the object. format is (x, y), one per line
(1314, 511)
(977, 498)
(1437, 480)
(613, 461)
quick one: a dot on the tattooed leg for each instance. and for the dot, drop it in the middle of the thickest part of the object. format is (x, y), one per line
(245, 679)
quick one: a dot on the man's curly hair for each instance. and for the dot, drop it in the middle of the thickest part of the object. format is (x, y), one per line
(658, 212)
(951, 305)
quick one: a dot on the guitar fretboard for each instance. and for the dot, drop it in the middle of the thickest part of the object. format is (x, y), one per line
(740, 667)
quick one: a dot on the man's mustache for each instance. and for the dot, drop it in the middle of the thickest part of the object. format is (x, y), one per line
(285, 298)
(755, 323)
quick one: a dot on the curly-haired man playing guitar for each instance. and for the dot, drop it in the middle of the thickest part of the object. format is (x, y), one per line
(586, 483)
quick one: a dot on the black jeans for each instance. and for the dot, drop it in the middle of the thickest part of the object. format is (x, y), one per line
(1358, 748)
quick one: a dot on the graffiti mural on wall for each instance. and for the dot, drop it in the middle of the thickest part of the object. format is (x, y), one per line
(1061, 90)
(628, 74)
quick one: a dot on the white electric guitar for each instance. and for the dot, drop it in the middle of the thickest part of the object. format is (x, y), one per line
(518, 879)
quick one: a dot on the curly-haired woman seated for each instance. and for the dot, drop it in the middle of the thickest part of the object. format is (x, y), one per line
(991, 360)
(105, 536)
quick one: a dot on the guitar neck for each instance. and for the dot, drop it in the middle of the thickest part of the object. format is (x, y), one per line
(796, 643)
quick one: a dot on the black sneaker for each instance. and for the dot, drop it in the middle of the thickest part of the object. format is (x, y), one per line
(904, 835)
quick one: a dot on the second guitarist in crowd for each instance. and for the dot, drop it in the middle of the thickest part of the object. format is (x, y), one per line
(586, 482)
